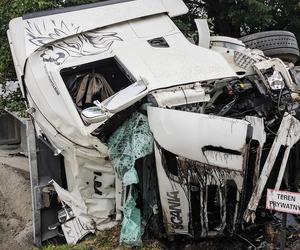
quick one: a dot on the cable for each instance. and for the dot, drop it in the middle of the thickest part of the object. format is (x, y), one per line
(246, 240)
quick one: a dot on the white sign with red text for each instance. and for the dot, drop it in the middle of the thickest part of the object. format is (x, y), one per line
(283, 201)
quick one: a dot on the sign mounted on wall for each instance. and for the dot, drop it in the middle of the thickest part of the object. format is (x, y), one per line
(283, 201)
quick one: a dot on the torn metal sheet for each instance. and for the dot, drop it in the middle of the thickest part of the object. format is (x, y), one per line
(196, 141)
(79, 207)
(74, 230)
(260, 136)
(91, 192)
(288, 134)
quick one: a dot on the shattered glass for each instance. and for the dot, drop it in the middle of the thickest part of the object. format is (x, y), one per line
(131, 232)
(132, 141)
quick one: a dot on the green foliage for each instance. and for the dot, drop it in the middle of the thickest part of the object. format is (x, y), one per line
(286, 15)
(250, 16)
(241, 17)
(185, 27)
(12, 101)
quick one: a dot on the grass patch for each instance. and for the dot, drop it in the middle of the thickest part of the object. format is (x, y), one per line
(103, 240)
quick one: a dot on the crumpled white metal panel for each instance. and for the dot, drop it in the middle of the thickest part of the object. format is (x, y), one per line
(83, 168)
(181, 63)
(181, 95)
(189, 134)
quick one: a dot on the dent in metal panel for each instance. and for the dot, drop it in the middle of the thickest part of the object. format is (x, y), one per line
(189, 134)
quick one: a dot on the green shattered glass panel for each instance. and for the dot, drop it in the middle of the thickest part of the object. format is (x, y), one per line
(132, 141)
(131, 232)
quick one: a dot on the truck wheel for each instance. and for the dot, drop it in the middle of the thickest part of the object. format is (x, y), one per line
(281, 44)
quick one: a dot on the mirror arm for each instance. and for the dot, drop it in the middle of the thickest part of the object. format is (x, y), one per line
(99, 105)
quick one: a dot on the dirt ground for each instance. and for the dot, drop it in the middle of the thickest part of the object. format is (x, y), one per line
(15, 205)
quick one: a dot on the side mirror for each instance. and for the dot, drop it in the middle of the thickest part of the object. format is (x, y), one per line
(116, 103)
(94, 115)
(126, 97)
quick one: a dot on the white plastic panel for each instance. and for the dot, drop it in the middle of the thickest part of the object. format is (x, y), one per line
(259, 133)
(203, 32)
(208, 139)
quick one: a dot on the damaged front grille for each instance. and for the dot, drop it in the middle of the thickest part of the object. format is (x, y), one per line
(213, 195)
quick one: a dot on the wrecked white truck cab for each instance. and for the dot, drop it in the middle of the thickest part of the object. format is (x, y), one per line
(119, 92)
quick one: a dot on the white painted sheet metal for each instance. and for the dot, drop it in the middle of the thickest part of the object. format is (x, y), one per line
(180, 63)
(174, 201)
(208, 139)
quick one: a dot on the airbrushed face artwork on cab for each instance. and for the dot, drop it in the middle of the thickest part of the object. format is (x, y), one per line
(83, 44)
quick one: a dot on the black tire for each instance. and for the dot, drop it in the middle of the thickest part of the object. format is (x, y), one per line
(281, 44)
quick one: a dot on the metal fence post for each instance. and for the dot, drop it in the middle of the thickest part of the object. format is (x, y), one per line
(33, 167)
